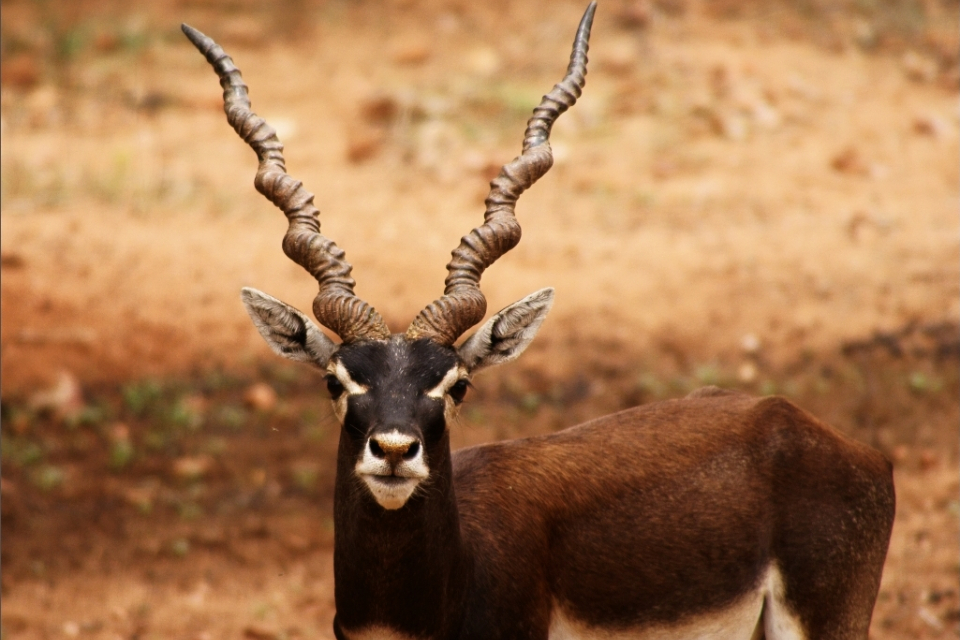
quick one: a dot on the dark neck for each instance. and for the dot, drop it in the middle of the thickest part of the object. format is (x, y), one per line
(404, 569)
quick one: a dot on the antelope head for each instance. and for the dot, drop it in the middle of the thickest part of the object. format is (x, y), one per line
(395, 394)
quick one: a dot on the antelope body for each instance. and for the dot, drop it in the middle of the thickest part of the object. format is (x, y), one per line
(716, 516)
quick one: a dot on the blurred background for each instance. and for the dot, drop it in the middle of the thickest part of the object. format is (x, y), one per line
(760, 195)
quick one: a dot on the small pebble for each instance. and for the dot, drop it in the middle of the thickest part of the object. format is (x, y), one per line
(750, 343)
(260, 396)
(192, 467)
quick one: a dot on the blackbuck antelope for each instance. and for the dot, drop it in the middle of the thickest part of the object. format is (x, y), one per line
(714, 516)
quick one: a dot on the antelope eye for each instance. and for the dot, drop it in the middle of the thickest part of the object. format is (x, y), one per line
(459, 390)
(334, 386)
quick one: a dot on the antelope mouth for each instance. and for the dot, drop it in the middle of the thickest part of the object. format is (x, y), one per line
(391, 480)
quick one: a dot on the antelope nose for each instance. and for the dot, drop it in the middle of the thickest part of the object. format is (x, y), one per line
(394, 447)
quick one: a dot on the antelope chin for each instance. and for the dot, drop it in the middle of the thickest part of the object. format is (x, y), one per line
(390, 492)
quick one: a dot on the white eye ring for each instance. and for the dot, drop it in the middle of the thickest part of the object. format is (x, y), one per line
(338, 371)
(451, 378)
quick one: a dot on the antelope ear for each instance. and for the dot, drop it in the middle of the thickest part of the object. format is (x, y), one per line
(508, 333)
(289, 332)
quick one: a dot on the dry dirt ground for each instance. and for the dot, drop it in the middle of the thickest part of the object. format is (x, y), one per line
(762, 199)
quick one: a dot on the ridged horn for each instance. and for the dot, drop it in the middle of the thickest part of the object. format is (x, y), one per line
(336, 306)
(463, 304)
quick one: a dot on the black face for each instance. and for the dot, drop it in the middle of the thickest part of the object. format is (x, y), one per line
(395, 378)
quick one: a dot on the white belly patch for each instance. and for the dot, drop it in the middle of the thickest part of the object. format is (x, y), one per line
(745, 619)
(376, 633)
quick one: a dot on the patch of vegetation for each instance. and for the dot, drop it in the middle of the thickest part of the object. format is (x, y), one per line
(91, 415)
(48, 477)
(184, 414)
(305, 476)
(121, 454)
(20, 451)
(921, 382)
(180, 547)
(141, 397)
(231, 416)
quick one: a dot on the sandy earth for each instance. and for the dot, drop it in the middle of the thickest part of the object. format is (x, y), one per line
(733, 198)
